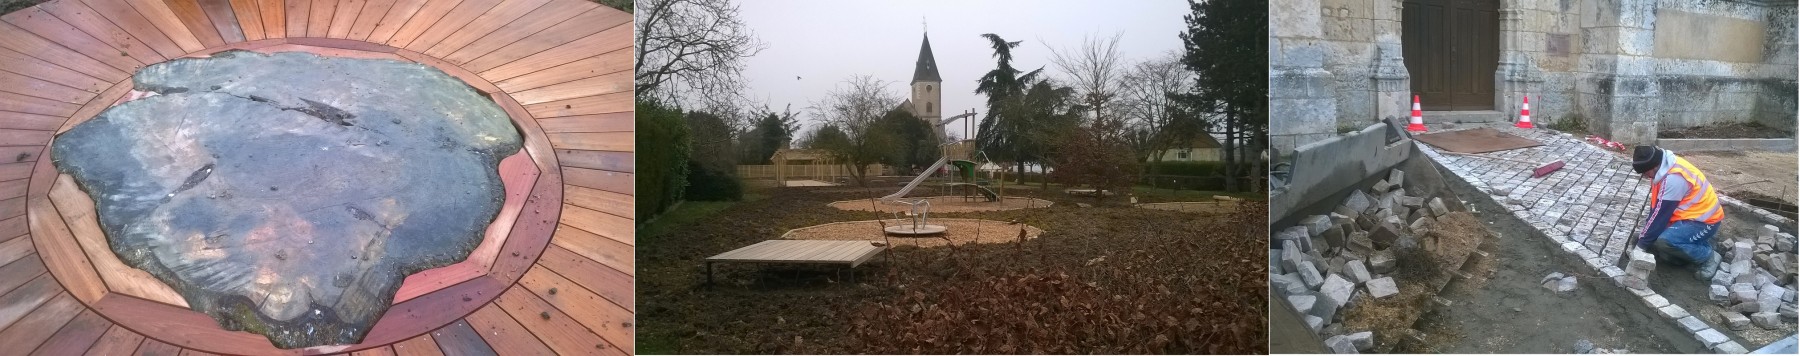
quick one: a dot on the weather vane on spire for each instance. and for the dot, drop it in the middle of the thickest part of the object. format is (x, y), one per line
(924, 24)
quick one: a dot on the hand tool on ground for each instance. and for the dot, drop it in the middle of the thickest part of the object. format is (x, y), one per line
(1543, 169)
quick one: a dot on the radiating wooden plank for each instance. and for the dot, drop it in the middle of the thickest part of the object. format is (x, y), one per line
(458, 339)
(418, 346)
(24, 137)
(540, 19)
(582, 26)
(274, 17)
(39, 88)
(609, 122)
(607, 251)
(25, 43)
(24, 121)
(19, 302)
(450, 23)
(559, 330)
(84, 25)
(397, 15)
(610, 62)
(35, 328)
(118, 16)
(594, 141)
(476, 81)
(78, 213)
(62, 254)
(344, 18)
(76, 336)
(176, 325)
(194, 18)
(589, 105)
(46, 26)
(368, 18)
(25, 65)
(601, 160)
(157, 348)
(25, 104)
(604, 84)
(14, 207)
(495, 17)
(225, 20)
(193, 352)
(117, 341)
(319, 21)
(428, 281)
(603, 224)
(409, 319)
(379, 351)
(605, 317)
(298, 15)
(160, 15)
(600, 200)
(421, 20)
(96, 105)
(20, 271)
(502, 332)
(249, 19)
(616, 182)
(12, 188)
(606, 282)
(20, 153)
(532, 230)
(599, 43)
(10, 171)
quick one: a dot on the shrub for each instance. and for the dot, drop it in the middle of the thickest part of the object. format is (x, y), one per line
(662, 155)
(711, 184)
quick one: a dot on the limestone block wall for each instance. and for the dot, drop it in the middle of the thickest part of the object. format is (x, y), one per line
(1715, 60)
(1549, 35)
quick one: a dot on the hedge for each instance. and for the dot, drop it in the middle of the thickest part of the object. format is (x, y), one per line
(712, 185)
(662, 158)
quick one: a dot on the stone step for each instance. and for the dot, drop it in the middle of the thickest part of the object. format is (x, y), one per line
(1464, 117)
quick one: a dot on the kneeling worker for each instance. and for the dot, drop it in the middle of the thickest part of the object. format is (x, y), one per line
(1684, 210)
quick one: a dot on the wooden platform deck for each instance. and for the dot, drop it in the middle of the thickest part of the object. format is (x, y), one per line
(560, 68)
(849, 253)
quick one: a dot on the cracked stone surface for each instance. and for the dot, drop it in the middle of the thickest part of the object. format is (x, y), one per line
(290, 194)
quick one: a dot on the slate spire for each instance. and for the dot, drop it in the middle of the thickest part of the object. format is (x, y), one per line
(926, 69)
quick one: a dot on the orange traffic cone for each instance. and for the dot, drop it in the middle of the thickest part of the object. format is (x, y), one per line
(1418, 121)
(1525, 114)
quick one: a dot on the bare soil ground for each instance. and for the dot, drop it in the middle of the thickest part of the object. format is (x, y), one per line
(1732, 130)
(1751, 174)
(960, 231)
(945, 204)
(1099, 280)
(1504, 309)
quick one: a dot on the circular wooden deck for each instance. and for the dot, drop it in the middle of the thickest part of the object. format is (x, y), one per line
(560, 68)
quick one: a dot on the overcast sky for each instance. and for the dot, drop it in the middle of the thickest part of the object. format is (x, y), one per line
(826, 42)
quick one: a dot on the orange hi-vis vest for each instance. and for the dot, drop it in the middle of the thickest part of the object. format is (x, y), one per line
(1701, 203)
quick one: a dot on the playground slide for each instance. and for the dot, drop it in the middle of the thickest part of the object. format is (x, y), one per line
(983, 190)
(915, 182)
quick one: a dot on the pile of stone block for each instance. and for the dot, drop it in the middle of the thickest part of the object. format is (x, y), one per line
(1328, 263)
(1755, 280)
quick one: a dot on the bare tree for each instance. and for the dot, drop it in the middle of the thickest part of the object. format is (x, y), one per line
(1094, 70)
(855, 107)
(1150, 109)
(692, 50)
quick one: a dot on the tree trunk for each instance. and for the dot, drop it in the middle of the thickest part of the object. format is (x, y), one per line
(1231, 157)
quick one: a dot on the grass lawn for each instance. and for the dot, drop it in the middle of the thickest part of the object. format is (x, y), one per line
(689, 212)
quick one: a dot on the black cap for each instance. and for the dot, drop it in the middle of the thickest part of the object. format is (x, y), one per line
(1645, 159)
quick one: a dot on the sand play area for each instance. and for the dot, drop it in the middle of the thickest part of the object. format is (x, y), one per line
(961, 231)
(945, 204)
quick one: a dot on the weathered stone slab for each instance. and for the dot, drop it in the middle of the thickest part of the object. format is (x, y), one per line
(1382, 287)
(290, 194)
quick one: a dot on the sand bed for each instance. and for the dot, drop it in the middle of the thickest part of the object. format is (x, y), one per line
(945, 204)
(1219, 207)
(962, 231)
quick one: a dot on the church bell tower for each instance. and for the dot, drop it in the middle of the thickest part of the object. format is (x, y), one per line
(928, 90)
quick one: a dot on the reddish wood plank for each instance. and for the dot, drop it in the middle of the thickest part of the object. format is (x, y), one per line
(558, 330)
(371, 16)
(495, 17)
(10, 171)
(97, 104)
(545, 16)
(344, 17)
(590, 105)
(196, 21)
(47, 26)
(25, 43)
(600, 200)
(602, 316)
(418, 346)
(178, 326)
(610, 62)
(420, 315)
(76, 336)
(603, 224)
(319, 21)
(193, 352)
(298, 15)
(13, 188)
(589, 23)
(606, 282)
(78, 213)
(24, 137)
(420, 21)
(274, 17)
(594, 141)
(76, 17)
(11, 208)
(20, 153)
(35, 328)
(117, 341)
(160, 15)
(20, 271)
(19, 302)
(450, 23)
(461, 339)
(599, 43)
(224, 20)
(609, 122)
(39, 88)
(30, 105)
(601, 160)
(604, 84)
(157, 348)
(466, 76)
(379, 351)
(118, 16)
(533, 229)
(342, 43)
(397, 16)
(64, 257)
(432, 280)
(616, 182)
(502, 332)
(25, 65)
(607, 251)
(23, 121)
(249, 19)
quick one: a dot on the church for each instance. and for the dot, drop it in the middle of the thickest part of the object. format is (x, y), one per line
(927, 90)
